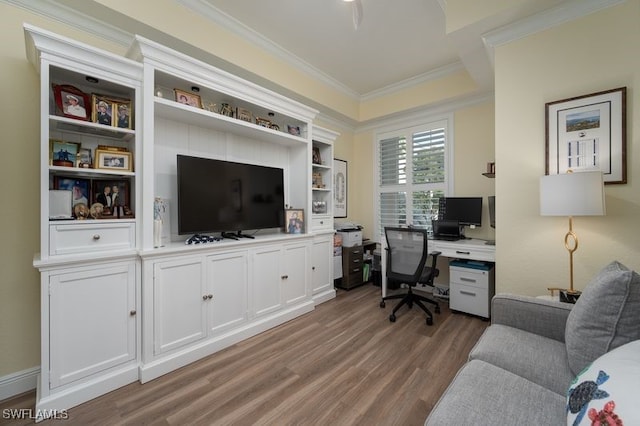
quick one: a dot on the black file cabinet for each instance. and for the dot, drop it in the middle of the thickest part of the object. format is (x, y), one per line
(352, 264)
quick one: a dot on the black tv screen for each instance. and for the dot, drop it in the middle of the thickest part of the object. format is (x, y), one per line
(223, 196)
(466, 210)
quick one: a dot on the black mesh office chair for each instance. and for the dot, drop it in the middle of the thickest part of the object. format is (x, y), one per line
(406, 258)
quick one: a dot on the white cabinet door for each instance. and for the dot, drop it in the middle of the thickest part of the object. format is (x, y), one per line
(321, 264)
(227, 283)
(92, 320)
(266, 278)
(179, 302)
(294, 273)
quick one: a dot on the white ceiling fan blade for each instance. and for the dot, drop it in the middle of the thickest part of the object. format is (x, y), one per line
(357, 13)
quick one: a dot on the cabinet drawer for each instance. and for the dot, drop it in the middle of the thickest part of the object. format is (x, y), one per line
(472, 300)
(91, 237)
(469, 277)
(321, 223)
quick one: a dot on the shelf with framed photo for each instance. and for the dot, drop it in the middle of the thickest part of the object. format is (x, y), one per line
(322, 179)
(228, 111)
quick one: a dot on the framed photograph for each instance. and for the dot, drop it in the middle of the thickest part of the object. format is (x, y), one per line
(293, 130)
(188, 98)
(339, 188)
(80, 189)
(103, 109)
(244, 115)
(588, 133)
(294, 221)
(63, 154)
(83, 159)
(123, 110)
(316, 158)
(72, 102)
(114, 197)
(114, 160)
(263, 122)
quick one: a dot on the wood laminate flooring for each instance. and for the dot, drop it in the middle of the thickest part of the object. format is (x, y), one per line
(342, 364)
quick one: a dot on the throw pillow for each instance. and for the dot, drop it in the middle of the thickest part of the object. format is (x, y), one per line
(606, 315)
(606, 393)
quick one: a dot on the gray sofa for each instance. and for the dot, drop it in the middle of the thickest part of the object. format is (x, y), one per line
(520, 370)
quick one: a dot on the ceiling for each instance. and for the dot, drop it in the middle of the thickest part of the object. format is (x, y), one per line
(396, 42)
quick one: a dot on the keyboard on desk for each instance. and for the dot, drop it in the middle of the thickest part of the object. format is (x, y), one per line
(445, 238)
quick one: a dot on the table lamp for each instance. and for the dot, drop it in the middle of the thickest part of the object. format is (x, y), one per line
(572, 194)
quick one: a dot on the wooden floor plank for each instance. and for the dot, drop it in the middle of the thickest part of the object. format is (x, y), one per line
(342, 364)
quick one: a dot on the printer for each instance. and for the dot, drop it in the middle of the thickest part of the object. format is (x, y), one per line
(350, 232)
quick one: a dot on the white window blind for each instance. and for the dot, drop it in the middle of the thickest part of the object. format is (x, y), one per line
(412, 175)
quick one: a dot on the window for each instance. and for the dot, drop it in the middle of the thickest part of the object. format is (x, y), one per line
(412, 174)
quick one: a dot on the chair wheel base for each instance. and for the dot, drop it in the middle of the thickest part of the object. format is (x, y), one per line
(392, 318)
(429, 321)
(382, 304)
(437, 309)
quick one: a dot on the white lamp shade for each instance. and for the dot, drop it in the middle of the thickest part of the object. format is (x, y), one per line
(572, 194)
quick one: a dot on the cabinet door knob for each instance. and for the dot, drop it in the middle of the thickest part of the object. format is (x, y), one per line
(132, 312)
(313, 268)
(96, 237)
(205, 297)
(322, 222)
(284, 277)
(210, 296)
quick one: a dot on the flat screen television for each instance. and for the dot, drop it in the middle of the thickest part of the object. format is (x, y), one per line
(466, 210)
(223, 196)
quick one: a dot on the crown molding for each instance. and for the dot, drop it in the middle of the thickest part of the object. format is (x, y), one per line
(413, 81)
(542, 21)
(56, 11)
(231, 24)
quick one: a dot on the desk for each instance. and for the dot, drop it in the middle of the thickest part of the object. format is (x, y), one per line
(472, 249)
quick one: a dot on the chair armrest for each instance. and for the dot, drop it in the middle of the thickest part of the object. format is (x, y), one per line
(543, 317)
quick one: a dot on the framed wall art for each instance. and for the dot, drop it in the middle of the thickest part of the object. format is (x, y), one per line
(339, 188)
(588, 133)
(63, 154)
(103, 110)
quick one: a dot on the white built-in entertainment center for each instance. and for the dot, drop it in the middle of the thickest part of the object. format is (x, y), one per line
(117, 304)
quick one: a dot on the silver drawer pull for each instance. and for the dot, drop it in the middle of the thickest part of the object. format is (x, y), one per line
(463, 252)
(96, 237)
(467, 293)
(469, 280)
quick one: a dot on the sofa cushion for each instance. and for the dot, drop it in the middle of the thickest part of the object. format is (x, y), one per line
(605, 316)
(607, 391)
(536, 358)
(483, 394)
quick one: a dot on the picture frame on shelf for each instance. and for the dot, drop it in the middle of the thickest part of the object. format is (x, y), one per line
(263, 122)
(339, 188)
(187, 98)
(316, 158)
(293, 130)
(63, 154)
(294, 221)
(103, 110)
(83, 159)
(114, 160)
(72, 102)
(226, 110)
(123, 109)
(274, 126)
(80, 189)
(588, 132)
(116, 206)
(319, 207)
(244, 115)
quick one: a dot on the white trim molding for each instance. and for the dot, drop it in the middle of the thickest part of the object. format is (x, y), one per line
(17, 383)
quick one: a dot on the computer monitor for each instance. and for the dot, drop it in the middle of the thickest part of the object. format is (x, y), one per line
(466, 210)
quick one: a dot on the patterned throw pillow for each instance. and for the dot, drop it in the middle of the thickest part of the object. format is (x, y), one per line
(606, 392)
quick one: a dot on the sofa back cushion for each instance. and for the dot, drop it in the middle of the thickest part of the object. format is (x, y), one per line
(606, 315)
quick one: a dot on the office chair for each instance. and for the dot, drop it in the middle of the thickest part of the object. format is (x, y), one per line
(406, 258)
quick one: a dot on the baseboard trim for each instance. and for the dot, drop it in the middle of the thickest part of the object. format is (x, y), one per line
(18, 383)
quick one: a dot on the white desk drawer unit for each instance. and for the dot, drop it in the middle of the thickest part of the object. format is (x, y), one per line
(471, 287)
(91, 237)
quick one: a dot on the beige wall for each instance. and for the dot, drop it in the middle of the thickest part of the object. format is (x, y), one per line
(595, 53)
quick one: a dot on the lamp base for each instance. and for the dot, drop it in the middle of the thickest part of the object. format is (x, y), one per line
(568, 296)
